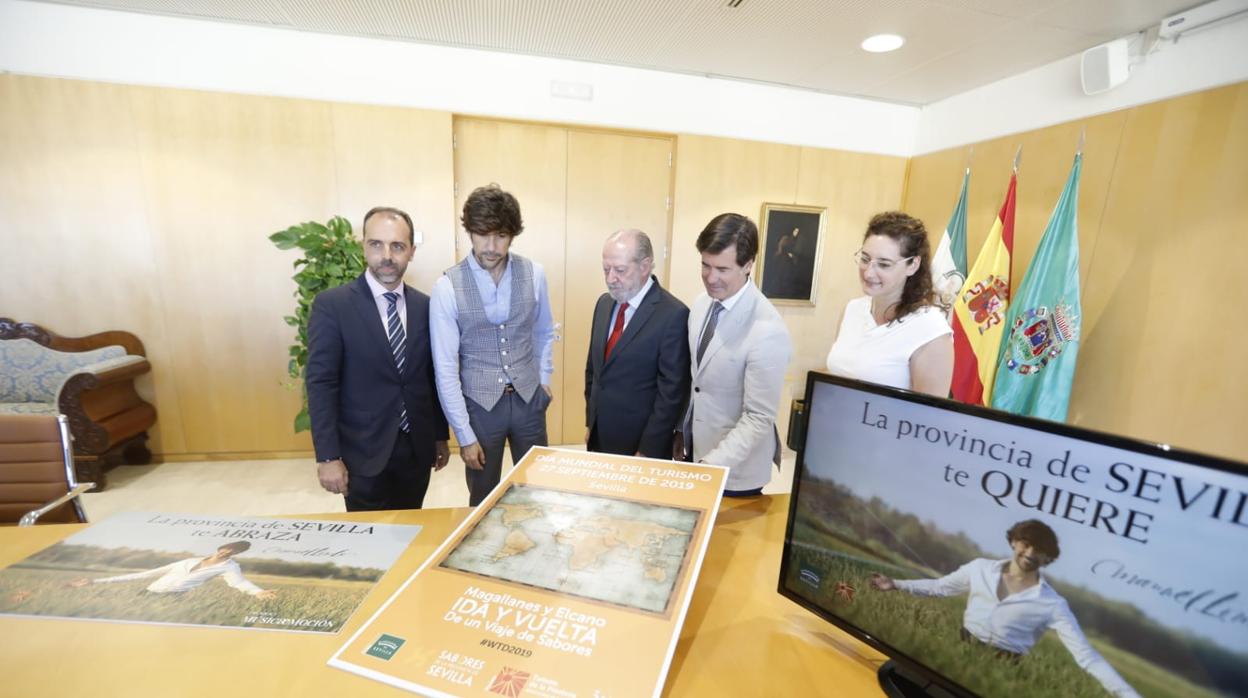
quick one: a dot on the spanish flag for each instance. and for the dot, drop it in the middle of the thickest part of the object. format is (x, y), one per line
(980, 308)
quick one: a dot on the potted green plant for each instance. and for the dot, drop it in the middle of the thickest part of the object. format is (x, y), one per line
(331, 257)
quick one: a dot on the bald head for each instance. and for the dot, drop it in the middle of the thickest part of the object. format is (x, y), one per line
(637, 242)
(627, 260)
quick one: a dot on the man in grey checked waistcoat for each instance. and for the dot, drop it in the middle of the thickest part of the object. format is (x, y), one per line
(492, 335)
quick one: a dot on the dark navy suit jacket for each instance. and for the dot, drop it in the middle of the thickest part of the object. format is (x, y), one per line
(637, 397)
(354, 387)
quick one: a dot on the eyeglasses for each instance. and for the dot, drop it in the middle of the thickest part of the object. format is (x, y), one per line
(864, 261)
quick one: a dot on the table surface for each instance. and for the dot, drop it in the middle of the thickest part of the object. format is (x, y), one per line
(740, 637)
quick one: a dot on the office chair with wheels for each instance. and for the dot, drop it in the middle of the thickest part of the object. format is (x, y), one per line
(37, 480)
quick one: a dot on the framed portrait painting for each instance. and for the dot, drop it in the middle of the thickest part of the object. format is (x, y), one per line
(788, 255)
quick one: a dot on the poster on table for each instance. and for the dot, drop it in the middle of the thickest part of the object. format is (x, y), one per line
(571, 579)
(192, 569)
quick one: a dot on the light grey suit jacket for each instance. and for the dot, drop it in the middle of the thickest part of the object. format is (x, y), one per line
(736, 387)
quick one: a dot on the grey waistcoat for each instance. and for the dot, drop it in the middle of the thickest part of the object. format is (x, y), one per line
(490, 355)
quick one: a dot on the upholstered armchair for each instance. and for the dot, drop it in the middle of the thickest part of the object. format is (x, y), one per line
(88, 379)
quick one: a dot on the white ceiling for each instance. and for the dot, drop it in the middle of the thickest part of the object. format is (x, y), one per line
(952, 45)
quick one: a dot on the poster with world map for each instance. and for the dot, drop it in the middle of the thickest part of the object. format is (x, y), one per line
(629, 554)
(571, 579)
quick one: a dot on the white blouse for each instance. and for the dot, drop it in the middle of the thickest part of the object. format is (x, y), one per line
(881, 353)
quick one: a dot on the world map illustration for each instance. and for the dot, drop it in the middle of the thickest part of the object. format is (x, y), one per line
(625, 553)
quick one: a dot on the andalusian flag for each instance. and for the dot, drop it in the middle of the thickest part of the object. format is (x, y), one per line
(979, 311)
(1037, 363)
(949, 264)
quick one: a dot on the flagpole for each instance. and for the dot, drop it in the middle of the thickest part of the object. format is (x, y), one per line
(1018, 158)
(1083, 134)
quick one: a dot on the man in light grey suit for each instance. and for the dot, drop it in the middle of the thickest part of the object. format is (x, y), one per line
(739, 347)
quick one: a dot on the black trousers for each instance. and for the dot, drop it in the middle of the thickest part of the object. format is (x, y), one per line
(400, 485)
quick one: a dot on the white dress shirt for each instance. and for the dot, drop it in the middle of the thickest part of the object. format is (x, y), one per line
(181, 576)
(632, 307)
(734, 298)
(1017, 622)
(727, 303)
(383, 305)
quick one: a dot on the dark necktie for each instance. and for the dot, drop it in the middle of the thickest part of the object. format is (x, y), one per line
(709, 332)
(398, 347)
(616, 331)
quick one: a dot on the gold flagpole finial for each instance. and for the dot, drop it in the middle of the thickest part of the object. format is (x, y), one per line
(1018, 158)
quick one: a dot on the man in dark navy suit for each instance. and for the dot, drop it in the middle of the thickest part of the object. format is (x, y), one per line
(377, 426)
(637, 372)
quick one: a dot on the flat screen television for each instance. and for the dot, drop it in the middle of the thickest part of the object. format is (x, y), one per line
(994, 555)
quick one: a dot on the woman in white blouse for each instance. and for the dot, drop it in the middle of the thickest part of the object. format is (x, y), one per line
(895, 335)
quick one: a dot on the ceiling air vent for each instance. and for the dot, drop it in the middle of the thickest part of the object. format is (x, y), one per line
(734, 3)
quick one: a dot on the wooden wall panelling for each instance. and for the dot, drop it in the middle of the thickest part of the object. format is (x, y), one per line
(390, 156)
(1162, 356)
(156, 204)
(934, 179)
(718, 175)
(530, 161)
(614, 181)
(221, 173)
(78, 252)
(1162, 183)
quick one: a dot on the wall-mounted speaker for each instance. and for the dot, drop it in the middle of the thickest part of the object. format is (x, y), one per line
(1105, 67)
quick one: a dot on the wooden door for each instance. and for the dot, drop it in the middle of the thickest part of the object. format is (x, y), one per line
(614, 181)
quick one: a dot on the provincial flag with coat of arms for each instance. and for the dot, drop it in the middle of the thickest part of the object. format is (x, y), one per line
(949, 263)
(979, 310)
(1037, 364)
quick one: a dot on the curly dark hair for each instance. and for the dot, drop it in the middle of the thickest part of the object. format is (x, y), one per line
(726, 230)
(911, 236)
(489, 209)
(1038, 535)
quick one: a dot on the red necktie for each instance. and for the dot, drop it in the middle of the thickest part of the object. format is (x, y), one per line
(616, 331)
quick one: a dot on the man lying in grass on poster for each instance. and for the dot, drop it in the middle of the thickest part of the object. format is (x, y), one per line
(188, 574)
(1010, 606)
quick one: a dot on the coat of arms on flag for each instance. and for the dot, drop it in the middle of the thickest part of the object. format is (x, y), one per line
(949, 262)
(1038, 336)
(986, 300)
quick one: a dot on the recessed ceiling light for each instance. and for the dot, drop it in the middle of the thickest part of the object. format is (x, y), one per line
(882, 43)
